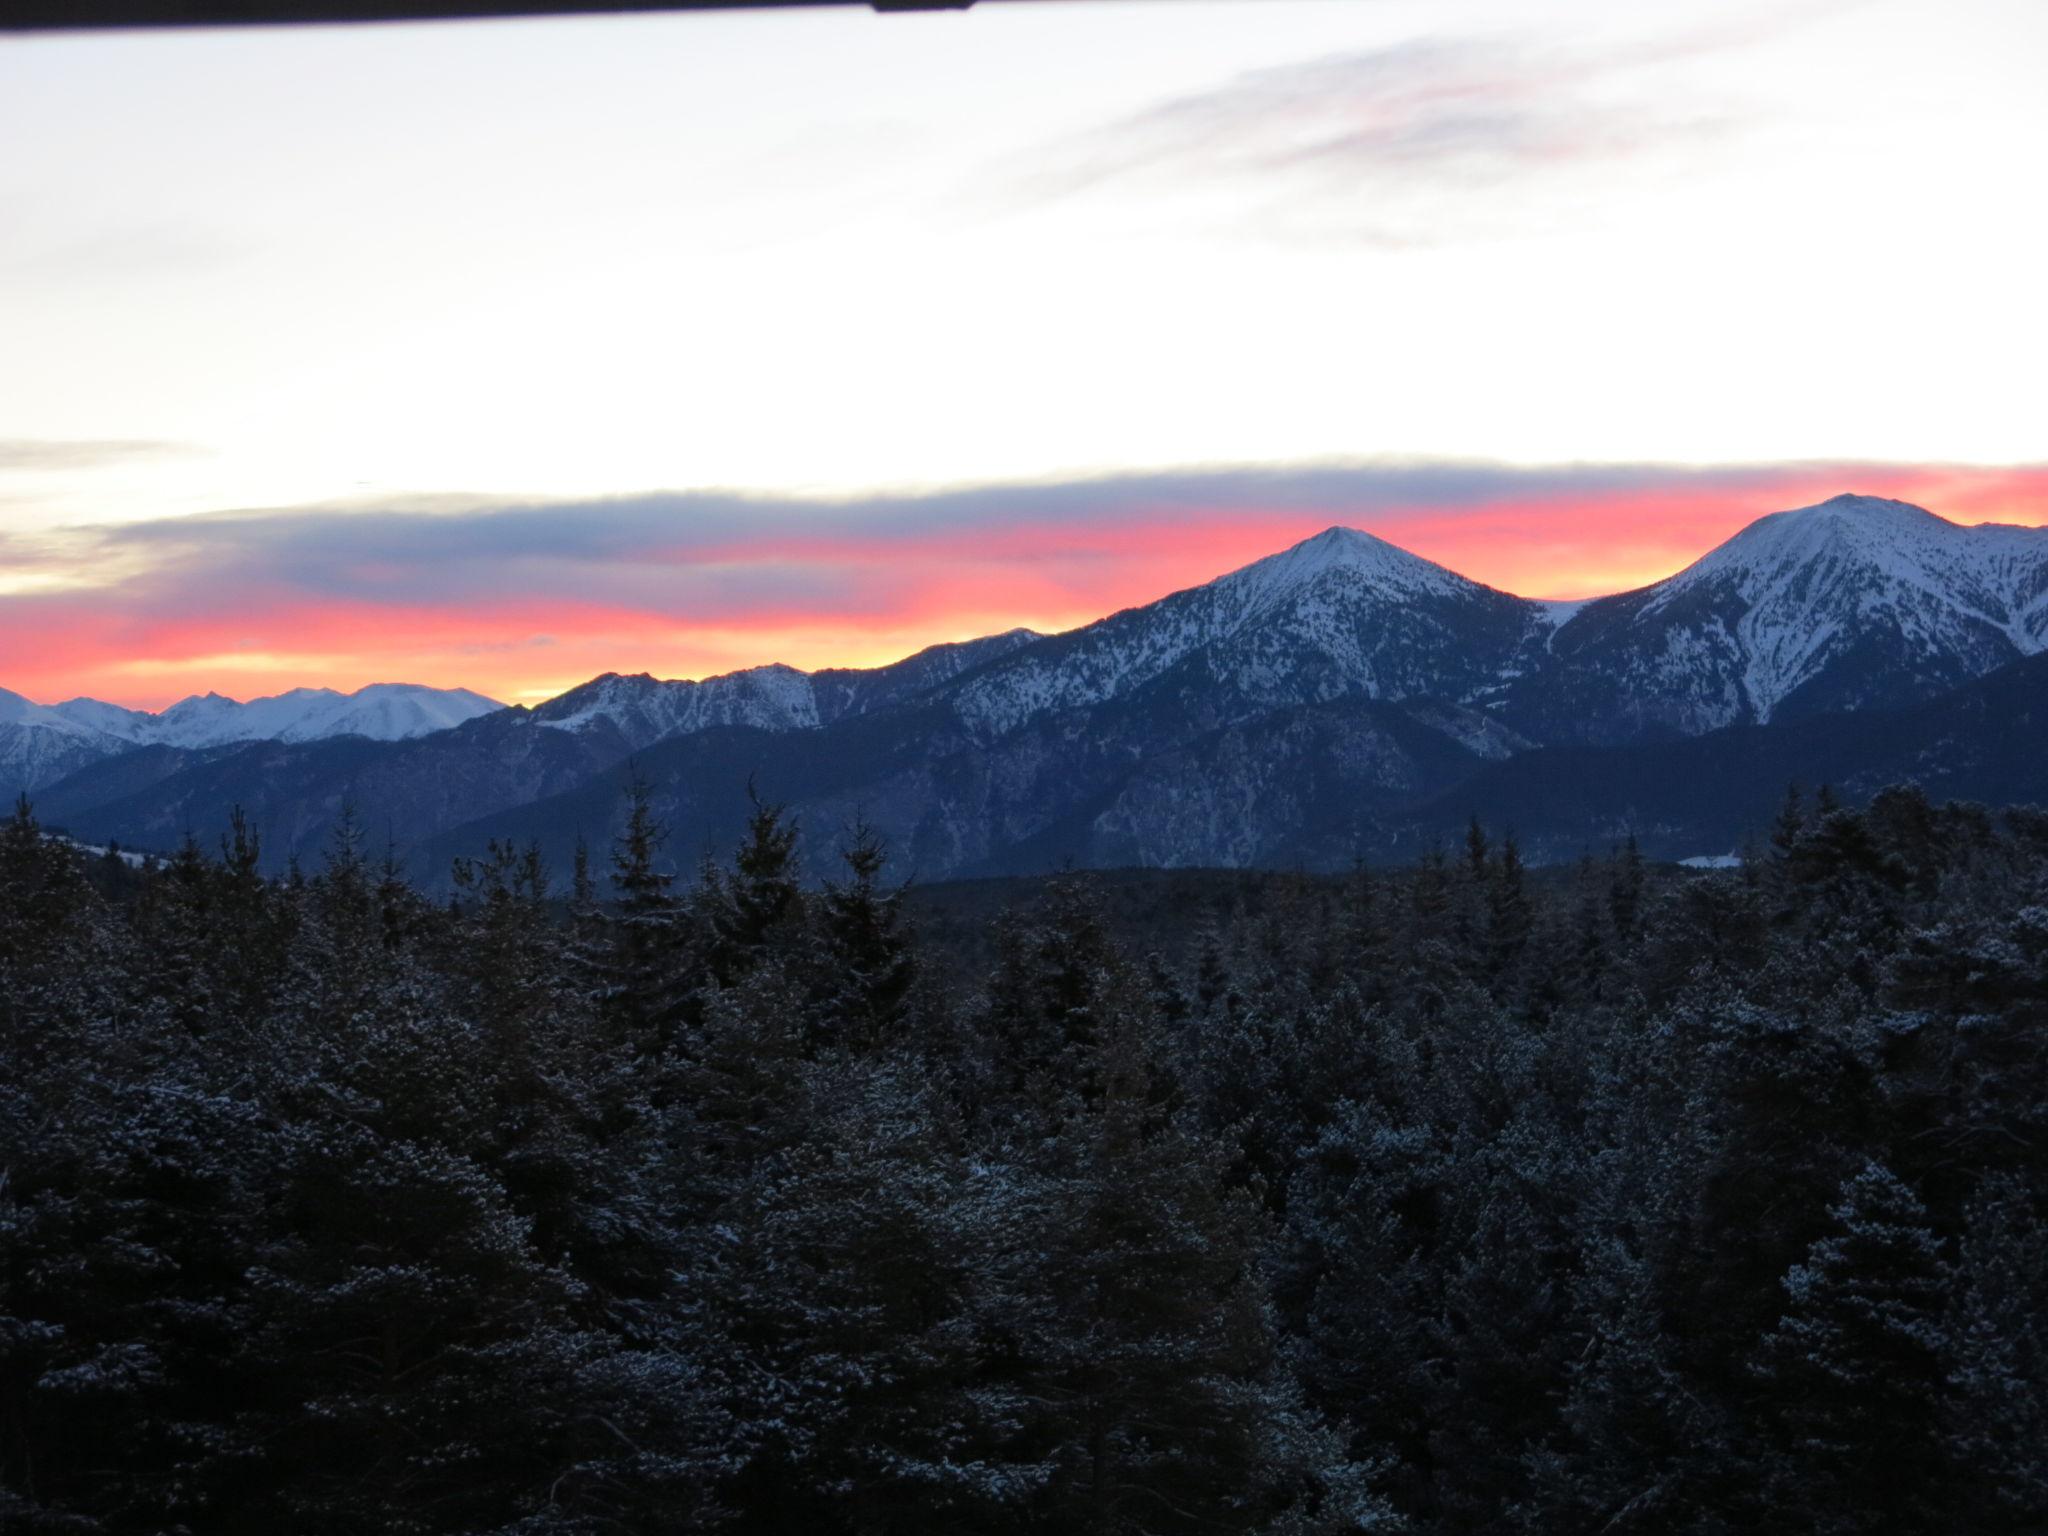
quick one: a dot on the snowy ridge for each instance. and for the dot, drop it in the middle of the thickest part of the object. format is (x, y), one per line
(18, 711)
(645, 709)
(1852, 600)
(380, 711)
(1855, 603)
(40, 743)
(1341, 613)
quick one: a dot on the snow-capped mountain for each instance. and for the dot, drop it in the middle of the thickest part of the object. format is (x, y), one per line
(1343, 614)
(40, 744)
(644, 709)
(1853, 603)
(381, 711)
(1294, 710)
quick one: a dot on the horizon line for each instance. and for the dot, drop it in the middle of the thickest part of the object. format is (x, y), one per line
(532, 699)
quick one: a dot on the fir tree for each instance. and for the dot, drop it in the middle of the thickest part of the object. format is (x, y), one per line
(757, 907)
(643, 947)
(1857, 1370)
(868, 959)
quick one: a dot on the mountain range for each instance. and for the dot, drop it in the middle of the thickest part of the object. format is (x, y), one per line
(40, 744)
(1341, 698)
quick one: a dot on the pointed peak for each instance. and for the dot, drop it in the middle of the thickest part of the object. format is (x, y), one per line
(1335, 546)
(1858, 503)
(1339, 539)
(1342, 545)
(1343, 549)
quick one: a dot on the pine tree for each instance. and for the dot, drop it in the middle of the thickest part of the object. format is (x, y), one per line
(868, 959)
(1625, 890)
(176, 919)
(1357, 1281)
(42, 890)
(1508, 917)
(1857, 1371)
(254, 926)
(1045, 1004)
(1155, 1395)
(1996, 1420)
(757, 907)
(1638, 1450)
(1505, 1333)
(641, 954)
(1790, 821)
(124, 1188)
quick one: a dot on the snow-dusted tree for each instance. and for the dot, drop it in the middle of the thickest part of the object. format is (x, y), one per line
(1857, 1372)
(125, 1184)
(1996, 1423)
(1142, 1355)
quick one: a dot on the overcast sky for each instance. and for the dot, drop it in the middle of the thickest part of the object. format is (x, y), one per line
(819, 262)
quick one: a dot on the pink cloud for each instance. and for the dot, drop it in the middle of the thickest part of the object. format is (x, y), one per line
(517, 602)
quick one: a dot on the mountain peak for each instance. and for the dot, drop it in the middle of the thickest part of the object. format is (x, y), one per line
(1858, 528)
(1339, 544)
(1846, 599)
(1387, 567)
(1856, 504)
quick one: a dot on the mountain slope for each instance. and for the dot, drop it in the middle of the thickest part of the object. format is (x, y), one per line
(411, 790)
(642, 710)
(40, 745)
(1340, 615)
(1241, 721)
(1297, 710)
(1855, 603)
(294, 792)
(1093, 787)
(380, 711)
(1986, 741)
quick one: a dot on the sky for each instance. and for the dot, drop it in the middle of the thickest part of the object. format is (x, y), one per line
(502, 354)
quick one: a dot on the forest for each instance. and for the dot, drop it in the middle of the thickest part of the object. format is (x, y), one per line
(1452, 1198)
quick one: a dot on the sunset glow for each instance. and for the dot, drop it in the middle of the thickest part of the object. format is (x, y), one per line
(524, 603)
(680, 344)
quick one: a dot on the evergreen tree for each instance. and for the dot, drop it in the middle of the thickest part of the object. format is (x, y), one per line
(1534, 1204)
(757, 907)
(642, 951)
(1857, 1370)
(868, 958)
(1625, 890)
(1996, 1420)
(1507, 916)
(1155, 1395)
